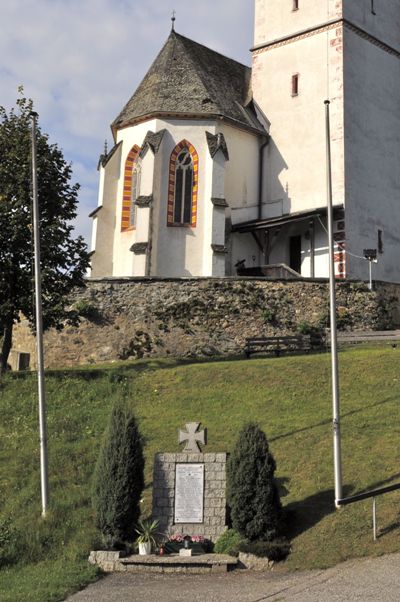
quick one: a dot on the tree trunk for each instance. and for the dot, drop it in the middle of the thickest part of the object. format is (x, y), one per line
(6, 344)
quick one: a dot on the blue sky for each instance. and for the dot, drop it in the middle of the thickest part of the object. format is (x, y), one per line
(81, 60)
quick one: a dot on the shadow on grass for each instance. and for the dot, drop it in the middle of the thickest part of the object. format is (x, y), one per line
(121, 368)
(389, 529)
(329, 420)
(382, 483)
(305, 514)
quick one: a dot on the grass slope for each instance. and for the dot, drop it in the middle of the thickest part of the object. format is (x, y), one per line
(289, 397)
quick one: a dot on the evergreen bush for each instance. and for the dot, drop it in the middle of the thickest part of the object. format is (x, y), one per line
(252, 493)
(119, 479)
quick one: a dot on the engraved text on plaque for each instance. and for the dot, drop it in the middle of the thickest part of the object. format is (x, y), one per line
(189, 493)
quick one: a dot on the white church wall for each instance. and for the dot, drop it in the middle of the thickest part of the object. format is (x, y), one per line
(295, 158)
(280, 248)
(104, 222)
(275, 19)
(124, 259)
(241, 173)
(99, 206)
(243, 246)
(372, 124)
(179, 251)
(384, 24)
(214, 263)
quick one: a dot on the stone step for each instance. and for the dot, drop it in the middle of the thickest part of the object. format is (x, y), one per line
(172, 563)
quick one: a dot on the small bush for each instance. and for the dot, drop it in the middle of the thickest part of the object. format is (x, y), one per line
(228, 543)
(269, 316)
(252, 492)
(307, 328)
(88, 310)
(8, 535)
(273, 550)
(119, 479)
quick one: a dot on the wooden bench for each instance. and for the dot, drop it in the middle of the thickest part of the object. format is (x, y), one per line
(278, 344)
(371, 336)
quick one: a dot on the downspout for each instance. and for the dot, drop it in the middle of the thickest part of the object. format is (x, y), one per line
(261, 173)
(150, 247)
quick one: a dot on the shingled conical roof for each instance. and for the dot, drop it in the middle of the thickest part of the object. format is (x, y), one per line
(188, 79)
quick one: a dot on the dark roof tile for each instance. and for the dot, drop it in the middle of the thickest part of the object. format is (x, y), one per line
(188, 78)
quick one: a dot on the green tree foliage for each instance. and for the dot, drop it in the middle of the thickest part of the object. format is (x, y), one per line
(252, 493)
(119, 478)
(64, 260)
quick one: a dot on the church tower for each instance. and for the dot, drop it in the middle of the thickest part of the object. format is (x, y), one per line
(346, 51)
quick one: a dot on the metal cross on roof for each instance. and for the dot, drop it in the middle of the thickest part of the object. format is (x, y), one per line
(192, 437)
(173, 19)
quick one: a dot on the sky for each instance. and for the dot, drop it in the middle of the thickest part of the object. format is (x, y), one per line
(81, 60)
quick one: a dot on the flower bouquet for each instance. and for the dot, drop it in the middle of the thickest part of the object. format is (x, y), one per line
(197, 543)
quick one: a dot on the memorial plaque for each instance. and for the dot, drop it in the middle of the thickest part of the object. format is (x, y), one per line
(189, 493)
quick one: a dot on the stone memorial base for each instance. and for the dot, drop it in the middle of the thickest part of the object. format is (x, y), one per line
(255, 563)
(173, 563)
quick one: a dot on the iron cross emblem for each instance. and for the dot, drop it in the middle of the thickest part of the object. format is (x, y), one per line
(192, 437)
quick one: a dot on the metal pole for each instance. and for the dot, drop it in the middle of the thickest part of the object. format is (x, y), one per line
(39, 328)
(370, 274)
(374, 516)
(337, 460)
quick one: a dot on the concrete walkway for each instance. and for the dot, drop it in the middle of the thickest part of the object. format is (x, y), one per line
(357, 580)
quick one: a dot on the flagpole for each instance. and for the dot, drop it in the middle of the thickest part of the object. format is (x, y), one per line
(337, 459)
(44, 481)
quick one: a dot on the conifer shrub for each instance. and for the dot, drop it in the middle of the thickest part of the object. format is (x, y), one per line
(252, 492)
(118, 479)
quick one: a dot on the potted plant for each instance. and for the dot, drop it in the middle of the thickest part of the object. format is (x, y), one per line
(146, 530)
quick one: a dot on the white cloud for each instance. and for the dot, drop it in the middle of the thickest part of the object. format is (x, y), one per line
(81, 60)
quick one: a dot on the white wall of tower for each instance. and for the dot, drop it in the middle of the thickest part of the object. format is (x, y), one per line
(372, 154)
(275, 19)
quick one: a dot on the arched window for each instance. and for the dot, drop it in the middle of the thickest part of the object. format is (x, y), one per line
(131, 188)
(183, 185)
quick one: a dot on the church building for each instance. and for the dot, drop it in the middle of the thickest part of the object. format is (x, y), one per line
(219, 169)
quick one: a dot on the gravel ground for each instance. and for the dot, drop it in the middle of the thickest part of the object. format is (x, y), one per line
(376, 579)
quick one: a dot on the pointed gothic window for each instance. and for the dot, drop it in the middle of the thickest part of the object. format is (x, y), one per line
(183, 188)
(183, 177)
(132, 175)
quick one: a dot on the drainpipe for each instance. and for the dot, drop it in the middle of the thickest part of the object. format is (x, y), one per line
(261, 174)
(150, 238)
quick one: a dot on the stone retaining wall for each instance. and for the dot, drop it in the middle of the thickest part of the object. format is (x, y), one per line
(133, 318)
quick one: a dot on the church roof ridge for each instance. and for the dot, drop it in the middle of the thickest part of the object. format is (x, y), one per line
(195, 43)
(188, 78)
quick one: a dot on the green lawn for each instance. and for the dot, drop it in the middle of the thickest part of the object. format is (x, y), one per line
(289, 397)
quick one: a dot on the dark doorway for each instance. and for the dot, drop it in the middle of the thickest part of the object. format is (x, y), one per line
(295, 253)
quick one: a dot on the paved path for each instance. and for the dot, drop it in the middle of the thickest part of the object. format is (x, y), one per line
(376, 579)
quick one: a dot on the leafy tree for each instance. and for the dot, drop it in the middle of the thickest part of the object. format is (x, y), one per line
(64, 260)
(252, 493)
(119, 478)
